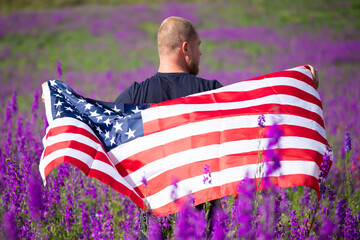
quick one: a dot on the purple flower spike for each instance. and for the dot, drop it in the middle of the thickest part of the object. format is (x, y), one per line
(174, 182)
(59, 69)
(35, 194)
(272, 157)
(207, 178)
(325, 164)
(206, 169)
(144, 181)
(191, 224)
(261, 121)
(351, 226)
(220, 224)
(274, 133)
(347, 141)
(9, 225)
(154, 230)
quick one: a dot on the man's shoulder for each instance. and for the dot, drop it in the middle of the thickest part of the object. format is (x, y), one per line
(127, 96)
(212, 84)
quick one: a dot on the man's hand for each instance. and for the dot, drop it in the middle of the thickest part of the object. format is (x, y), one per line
(315, 77)
(42, 96)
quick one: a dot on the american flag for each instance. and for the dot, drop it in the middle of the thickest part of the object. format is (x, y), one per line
(140, 149)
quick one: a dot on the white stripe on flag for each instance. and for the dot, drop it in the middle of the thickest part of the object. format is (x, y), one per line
(235, 174)
(220, 124)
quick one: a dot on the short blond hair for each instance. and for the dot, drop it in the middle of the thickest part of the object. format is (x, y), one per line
(173, 32)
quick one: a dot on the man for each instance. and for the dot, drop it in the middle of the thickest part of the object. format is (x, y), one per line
(179, 53)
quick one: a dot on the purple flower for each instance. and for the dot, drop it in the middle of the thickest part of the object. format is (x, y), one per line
(59, 69)
(35, 201)
(9, 225)
(174, 182)
(347, 141)
(144, 181)
(190, 224)
(221, 221)
(165, 221)
(271, 156)
(35, 106)
(261, 121)
(296, 231)
(341, 207)
(206, 169)
(154, 230)
(274, 134)
(85, 221)
(351, 226)
(327, 229)
(242, 211)
(324, 168)
(207, 178)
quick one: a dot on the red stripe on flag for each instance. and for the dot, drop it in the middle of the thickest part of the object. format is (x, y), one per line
(231, 188)
(132, 164)
(72, 129)
(226, 97)
(74, 161)
(218, 164)
(93, 153)
(162, 124)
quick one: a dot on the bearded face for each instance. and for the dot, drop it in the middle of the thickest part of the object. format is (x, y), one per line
(193, 66)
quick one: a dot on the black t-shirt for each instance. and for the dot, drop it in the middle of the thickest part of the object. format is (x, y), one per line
(165, 86)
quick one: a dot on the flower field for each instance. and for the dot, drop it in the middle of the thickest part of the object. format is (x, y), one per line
(99, 50)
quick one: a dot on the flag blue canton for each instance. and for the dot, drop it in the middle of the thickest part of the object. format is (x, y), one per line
(113, 124)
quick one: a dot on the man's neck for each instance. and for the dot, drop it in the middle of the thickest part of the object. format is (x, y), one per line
(171, 66)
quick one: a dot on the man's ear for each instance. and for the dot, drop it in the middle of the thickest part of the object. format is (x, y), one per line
(185, 47)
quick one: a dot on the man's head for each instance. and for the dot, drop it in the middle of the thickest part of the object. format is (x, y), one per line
(178, 37)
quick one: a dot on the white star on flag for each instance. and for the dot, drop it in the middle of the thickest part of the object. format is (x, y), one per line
(116, 109)
(118, 126)
(99, 130)
(53, 83)
(99, 118)
(108, 111)
(79, 117)
(130, 133)
(59, 103)
(107, 122)
(68, 92)
(136, 110)
(112, 141)
(58, 113)
(107, 135)
(94, 114)
(81, 100)
(88, 106)
(69, 109)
